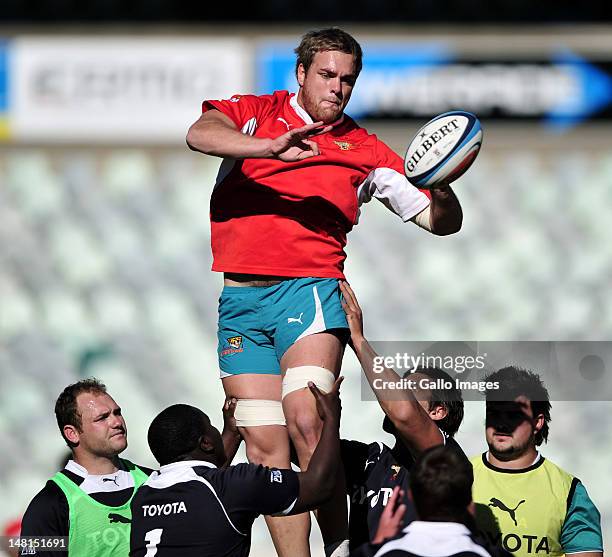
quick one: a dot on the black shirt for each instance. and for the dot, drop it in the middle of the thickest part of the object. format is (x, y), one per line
(48, 514)
(372, 471)
(193, 508)
(428, 539)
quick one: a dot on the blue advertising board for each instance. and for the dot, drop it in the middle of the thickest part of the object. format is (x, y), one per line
(4, 88)
(419, 80)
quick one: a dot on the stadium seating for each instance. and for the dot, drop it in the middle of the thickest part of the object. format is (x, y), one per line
(104, 270)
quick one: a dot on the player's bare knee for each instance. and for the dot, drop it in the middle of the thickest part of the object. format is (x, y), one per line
(257, 454)
(274, 454)
(305, 430)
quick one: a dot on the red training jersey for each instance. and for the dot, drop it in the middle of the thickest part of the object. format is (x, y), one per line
(270, 217)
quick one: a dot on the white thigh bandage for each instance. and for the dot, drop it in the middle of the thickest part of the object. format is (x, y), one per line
(298, 377)
(251, 413)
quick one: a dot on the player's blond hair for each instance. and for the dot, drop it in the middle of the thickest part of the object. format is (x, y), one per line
(324, 40)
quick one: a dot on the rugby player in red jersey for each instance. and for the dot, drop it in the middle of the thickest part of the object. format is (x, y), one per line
(295, 172)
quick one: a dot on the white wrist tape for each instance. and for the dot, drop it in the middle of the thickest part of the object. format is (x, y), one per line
(251, 412)
(422, 219)
(297, 378)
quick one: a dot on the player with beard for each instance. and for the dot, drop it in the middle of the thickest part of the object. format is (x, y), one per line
(295, 171)
(88, 502)
(418, 420)
(524, 502)
(441, 490)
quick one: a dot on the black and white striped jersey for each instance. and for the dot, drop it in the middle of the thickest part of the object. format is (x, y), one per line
(433, 539)
(193, 508)
(372, 472)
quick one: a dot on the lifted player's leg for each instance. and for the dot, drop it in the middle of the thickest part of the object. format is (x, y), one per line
(292, 322)
(260, 418)
(317, 358)
(251, 373)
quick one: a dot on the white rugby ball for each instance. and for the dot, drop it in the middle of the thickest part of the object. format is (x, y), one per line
(443, 149)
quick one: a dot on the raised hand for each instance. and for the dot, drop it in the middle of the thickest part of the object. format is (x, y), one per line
(295, 145)
(229, 422)
(328, 404)
(350, 305)
(392, 517)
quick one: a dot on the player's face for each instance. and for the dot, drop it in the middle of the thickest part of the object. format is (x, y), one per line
(325, 89)
(510, 428)
(103, 430)
(423, 397)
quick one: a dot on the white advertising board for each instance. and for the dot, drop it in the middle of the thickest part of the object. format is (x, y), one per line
(105, 89)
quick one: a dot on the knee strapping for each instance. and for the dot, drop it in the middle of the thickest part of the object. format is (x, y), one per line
(297, 378)
(250, 412)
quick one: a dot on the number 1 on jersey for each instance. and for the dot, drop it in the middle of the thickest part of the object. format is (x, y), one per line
(153, 537)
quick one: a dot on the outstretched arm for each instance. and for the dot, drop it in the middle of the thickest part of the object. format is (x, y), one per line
(440, 214)
(416, 428)
(317, 482)
(214, 133)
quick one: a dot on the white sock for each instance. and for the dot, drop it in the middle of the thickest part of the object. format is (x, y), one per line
(337, 549)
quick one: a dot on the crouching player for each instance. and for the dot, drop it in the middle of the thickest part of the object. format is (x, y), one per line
(195, 508)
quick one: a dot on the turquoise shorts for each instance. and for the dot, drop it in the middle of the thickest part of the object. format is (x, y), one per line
(257, 325)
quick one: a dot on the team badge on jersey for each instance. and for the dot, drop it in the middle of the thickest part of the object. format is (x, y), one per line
(234, 346)
(235, 342)
(396, 470)
(344, 145)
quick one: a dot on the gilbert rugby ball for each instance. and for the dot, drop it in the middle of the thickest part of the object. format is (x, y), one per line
(443, 149)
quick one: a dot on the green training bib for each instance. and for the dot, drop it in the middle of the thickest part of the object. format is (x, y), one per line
(97, 530)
